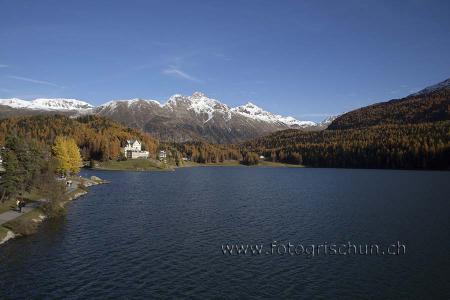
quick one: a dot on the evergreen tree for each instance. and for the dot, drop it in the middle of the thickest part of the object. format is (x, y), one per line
(10, 180)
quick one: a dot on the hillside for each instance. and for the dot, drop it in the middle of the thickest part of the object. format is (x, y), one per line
(429, 105)
(408, 133)
(98, 138)
(393, 146)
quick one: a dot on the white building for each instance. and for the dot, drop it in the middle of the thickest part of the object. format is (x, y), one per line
(133, 145)
(162, 155)
(133, 149)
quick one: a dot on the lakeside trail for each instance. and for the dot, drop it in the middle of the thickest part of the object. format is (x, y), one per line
(73, 190)
(13, 213)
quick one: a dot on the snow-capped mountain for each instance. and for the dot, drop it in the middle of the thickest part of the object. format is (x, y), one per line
(252, 111)
(325, 123)
(183, 118)
(201, 104)
(59, 104)
(180, 118)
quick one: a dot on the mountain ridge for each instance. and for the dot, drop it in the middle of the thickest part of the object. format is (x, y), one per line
(181, 118)
(200, 103)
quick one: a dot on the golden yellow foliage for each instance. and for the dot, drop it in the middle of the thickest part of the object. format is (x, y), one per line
(67, 155)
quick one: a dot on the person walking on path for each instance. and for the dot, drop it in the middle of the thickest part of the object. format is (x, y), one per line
(19, 205)
(22, 204)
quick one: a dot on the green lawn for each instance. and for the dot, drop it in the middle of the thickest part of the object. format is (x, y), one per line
(154, 165)
(278, 164)
(7, 205)
(11, 203)
(133, 165)
(220, 164)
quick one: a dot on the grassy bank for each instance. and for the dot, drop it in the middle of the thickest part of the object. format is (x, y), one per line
(154, 165)
(26, 224)
(236, 163)
(132, 165)
(3, 233)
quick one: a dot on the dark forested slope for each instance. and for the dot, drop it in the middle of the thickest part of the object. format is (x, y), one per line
(412, 146)
(429, 105)
(408, 133)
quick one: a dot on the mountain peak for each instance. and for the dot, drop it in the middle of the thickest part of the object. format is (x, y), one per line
(198, 95)
(441, 85)
(250, 105)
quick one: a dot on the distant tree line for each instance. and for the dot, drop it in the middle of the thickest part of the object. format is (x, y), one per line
(411, 146)
(202, 152)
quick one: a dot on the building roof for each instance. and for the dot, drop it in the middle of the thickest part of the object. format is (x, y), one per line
(132, 141)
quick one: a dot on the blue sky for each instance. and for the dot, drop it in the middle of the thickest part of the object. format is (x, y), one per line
(301, 58)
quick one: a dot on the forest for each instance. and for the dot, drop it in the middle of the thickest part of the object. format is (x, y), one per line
(414, 109)
(98, 138)
(393, 146)
(202, 152)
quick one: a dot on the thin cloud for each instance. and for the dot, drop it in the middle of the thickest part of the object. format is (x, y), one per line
(3, 66)
(173, 71)
(26, 79)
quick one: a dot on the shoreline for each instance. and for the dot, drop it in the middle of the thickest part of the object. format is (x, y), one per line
(264, 164)
(36, 216)
(170, 168)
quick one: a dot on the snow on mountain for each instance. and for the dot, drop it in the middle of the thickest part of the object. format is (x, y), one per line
(328, 121)
(252, 111)
(16, 103)
(198, 103)
(130, 102)
(441, 85)
(60, 104)
(202, 104)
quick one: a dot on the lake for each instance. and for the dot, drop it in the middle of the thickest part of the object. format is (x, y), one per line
(160, 235)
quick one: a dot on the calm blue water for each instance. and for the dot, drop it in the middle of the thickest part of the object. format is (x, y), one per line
(158, 235)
